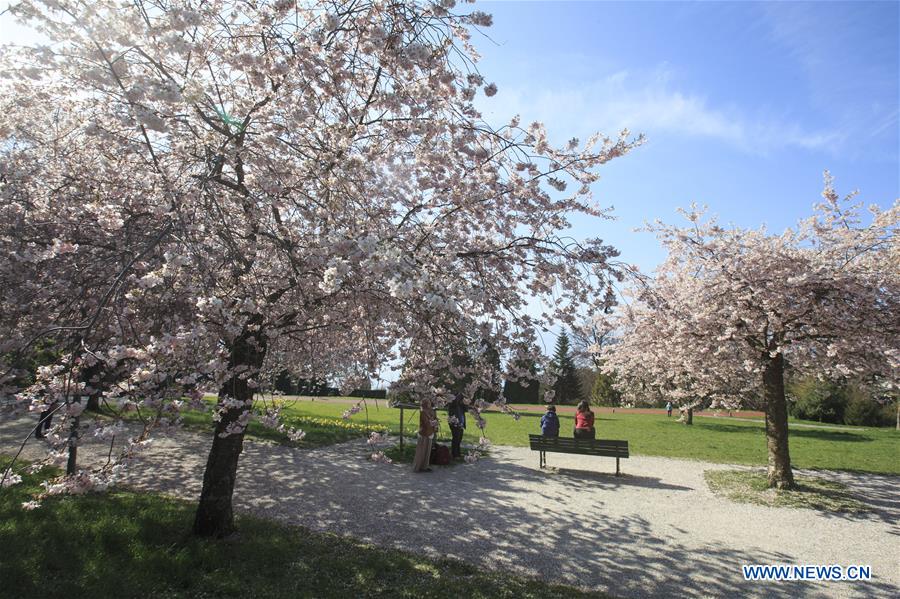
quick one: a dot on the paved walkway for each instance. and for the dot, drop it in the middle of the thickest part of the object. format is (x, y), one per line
(655, 532)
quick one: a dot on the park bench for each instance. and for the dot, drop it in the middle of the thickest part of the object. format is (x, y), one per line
(599, 447)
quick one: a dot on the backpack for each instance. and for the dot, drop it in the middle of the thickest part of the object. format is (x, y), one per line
(440, 455)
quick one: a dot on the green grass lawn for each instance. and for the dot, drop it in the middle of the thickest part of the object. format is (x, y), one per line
(811, 492)
(319, 430)
(713, 439)
(125, 544)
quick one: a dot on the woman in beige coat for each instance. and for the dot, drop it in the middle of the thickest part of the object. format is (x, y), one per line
(427, 427)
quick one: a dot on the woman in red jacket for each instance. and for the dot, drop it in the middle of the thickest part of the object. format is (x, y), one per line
(584, 422)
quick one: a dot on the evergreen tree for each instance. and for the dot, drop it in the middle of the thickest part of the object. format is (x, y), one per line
(567, 387)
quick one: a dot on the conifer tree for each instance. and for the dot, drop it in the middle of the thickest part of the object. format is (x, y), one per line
(567, 387)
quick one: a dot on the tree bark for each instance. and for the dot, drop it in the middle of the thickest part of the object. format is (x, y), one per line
(689, 419)
(215, 516)
(780, 474)
(72, 461)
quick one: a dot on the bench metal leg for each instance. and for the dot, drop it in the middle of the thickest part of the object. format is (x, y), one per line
(617, 466)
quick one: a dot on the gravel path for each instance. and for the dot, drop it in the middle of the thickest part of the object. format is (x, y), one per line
(655, 532)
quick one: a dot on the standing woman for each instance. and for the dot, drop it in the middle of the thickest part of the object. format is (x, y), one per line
(427, 426)
(584, 421)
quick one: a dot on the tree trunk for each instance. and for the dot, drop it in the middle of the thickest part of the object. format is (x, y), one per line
(779, 472)
(72, 462)
(215, 517)
(689, 419)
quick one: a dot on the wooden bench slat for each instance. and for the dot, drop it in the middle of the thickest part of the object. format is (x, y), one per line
(544, 439)
(580, 446)
(598, 447)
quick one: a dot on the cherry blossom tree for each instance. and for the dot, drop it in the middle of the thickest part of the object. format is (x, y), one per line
(205, 192)
(730, 308)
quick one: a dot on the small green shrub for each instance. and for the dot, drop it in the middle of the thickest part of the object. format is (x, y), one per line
(818, 400)
(864, 411)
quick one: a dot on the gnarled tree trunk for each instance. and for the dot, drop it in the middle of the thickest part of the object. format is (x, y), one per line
(215, 516)
(779, 472)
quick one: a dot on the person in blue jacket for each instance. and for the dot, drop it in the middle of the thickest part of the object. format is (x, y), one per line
(550, 423)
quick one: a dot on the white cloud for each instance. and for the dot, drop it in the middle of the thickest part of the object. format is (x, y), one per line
(652, 104)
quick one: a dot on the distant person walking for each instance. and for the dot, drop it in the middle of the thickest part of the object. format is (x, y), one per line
(669, 409)
(427, 428)
(584, 421)
(550, 423)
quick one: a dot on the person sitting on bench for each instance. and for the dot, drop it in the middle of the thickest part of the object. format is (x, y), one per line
(550, 423)
(584, 422)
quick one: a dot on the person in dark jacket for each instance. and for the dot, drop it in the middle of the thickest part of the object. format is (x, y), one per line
(456, 413)
(45, 421)
(550, 423)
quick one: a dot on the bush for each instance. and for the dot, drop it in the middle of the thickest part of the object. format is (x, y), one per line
(846, 403)
(370, 393)
(865, 411)
(604, 392)
(818, 400)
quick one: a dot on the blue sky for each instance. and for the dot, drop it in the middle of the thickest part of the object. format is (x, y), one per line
(744, 104)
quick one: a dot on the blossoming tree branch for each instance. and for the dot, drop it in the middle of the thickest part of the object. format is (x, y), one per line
(197, 193)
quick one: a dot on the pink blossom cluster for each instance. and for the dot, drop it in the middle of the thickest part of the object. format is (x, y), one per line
(376, 438)
(10, 479)
(77, 484)
(355, 409)
(378, 456)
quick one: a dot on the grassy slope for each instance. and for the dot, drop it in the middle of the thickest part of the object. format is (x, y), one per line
(126, 545)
